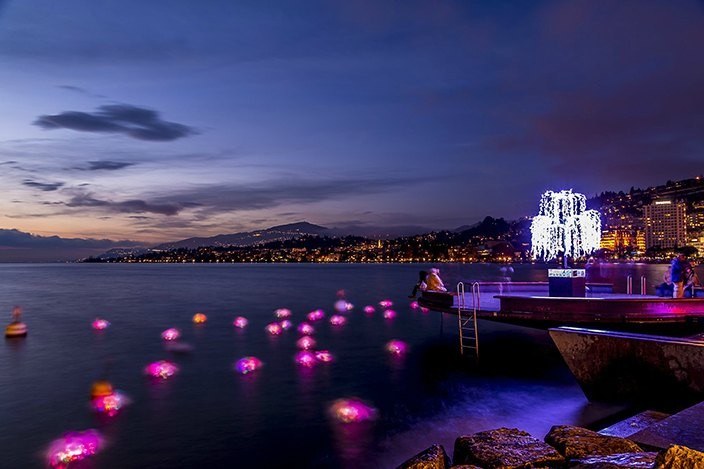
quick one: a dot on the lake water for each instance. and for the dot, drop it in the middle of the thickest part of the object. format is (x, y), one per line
(209, 416)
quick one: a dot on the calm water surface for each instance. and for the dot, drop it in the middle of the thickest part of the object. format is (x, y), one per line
(209, 416)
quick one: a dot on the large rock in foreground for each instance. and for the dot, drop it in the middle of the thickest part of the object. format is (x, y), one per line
(505, 448)
(434, 457)
(616, 461)
(577, 442)
(679, 457)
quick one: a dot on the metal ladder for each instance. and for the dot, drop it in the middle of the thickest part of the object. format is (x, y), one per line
(469, 335)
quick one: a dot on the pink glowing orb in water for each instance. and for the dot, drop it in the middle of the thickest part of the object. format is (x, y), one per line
(424, 310)
(389, 314)
(396, 347)
(110, 404)
(352, 410)
(100, 324)
(162, 369)
(240, 322)
(282, 313)
(316, 315)
(342, 306)
(369, 309)
(247, 365)
(171, 334)
(286, 324)
(305, 343)
(386, 303)
(72, 447)
(273, 328)
(324, 356)
(305, 358)
(414, 305)
(306, 329)
(337, 320)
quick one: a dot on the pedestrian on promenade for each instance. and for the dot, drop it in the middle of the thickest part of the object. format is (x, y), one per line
(680, 266)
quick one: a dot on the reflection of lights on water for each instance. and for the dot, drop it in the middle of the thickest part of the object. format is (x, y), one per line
(324, 356)
(414, 305)
(316, 315)
(171, 334)
(305, 343)
(337, 320)
(282, 313)
(72, 447)
(396, 347)
(100, 324)
(305, 358)
(247, 365)
(199, 318)
(162, 369)
(240, 322)
(386, 303)
(306, 329)
(110, 404)
(369, 309)
(286, 324)
(352, 410)
(389, 314)
(273, 328)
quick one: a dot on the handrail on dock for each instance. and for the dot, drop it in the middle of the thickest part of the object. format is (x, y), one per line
(467, 324)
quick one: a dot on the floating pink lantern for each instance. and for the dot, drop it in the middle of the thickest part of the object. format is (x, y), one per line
(343, 305)
(199, 318)
(110, 404)
(396, 347)
(162, 369)
(273, 328)
(424, 310)
(414, 305)
(386, 303)
(316, 315)
(324, 356)
(389, 314)
(240, 322)
(369, 309)
(100, 324)
(305, 358)
(72, 447)
(247, 365)
(286, 324)
(171, 334)
(305, 343)
(352, 410)
(282, 313)
(338, 320)
(306, 329)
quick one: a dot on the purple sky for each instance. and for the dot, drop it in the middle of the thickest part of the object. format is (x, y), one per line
(160, 120)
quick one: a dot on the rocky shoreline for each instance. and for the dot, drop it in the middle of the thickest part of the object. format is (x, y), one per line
(563, 447)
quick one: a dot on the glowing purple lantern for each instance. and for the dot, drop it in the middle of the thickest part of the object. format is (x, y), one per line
(306, 329)
(337, 320)
(247, 365)
(305, 343)
(171, 334)
(72, 447)
(273, 328)
(352, 410)
(282, 313)
(100, 324)
(414, 305)
(240, 322)
(109, 404)
(396, 347)
(324, 356)
(389, 314)
(316, 315)
(162, 369)
(386, 303)
(305, 358)
(286, 324)
(369, 309)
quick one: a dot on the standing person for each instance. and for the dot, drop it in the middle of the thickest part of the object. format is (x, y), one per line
(434, 282)
(679, 265)
(421, 285)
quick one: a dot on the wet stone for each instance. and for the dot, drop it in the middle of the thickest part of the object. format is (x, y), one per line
(434, 457)
(576, 442)
(679, 457)
(616, 461)
(505, 448)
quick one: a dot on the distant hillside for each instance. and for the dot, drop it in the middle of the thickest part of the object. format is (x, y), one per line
(250, 238)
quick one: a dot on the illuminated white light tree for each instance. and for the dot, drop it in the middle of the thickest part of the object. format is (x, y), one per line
(564, 225)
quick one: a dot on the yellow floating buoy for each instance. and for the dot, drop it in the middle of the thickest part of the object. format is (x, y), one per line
(199, 318)
(101, 388)
(16, 329)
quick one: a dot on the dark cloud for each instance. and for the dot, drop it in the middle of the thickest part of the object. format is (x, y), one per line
(128, 206)
(136, 122)
(43, 186)
(107, 165)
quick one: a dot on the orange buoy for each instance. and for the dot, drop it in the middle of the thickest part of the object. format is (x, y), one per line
(16, 329)
(199, 318)
(101, 388)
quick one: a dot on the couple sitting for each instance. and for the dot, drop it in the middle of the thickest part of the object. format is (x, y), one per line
(428, 281)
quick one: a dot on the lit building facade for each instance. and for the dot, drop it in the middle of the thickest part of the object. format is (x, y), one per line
(664, 222)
